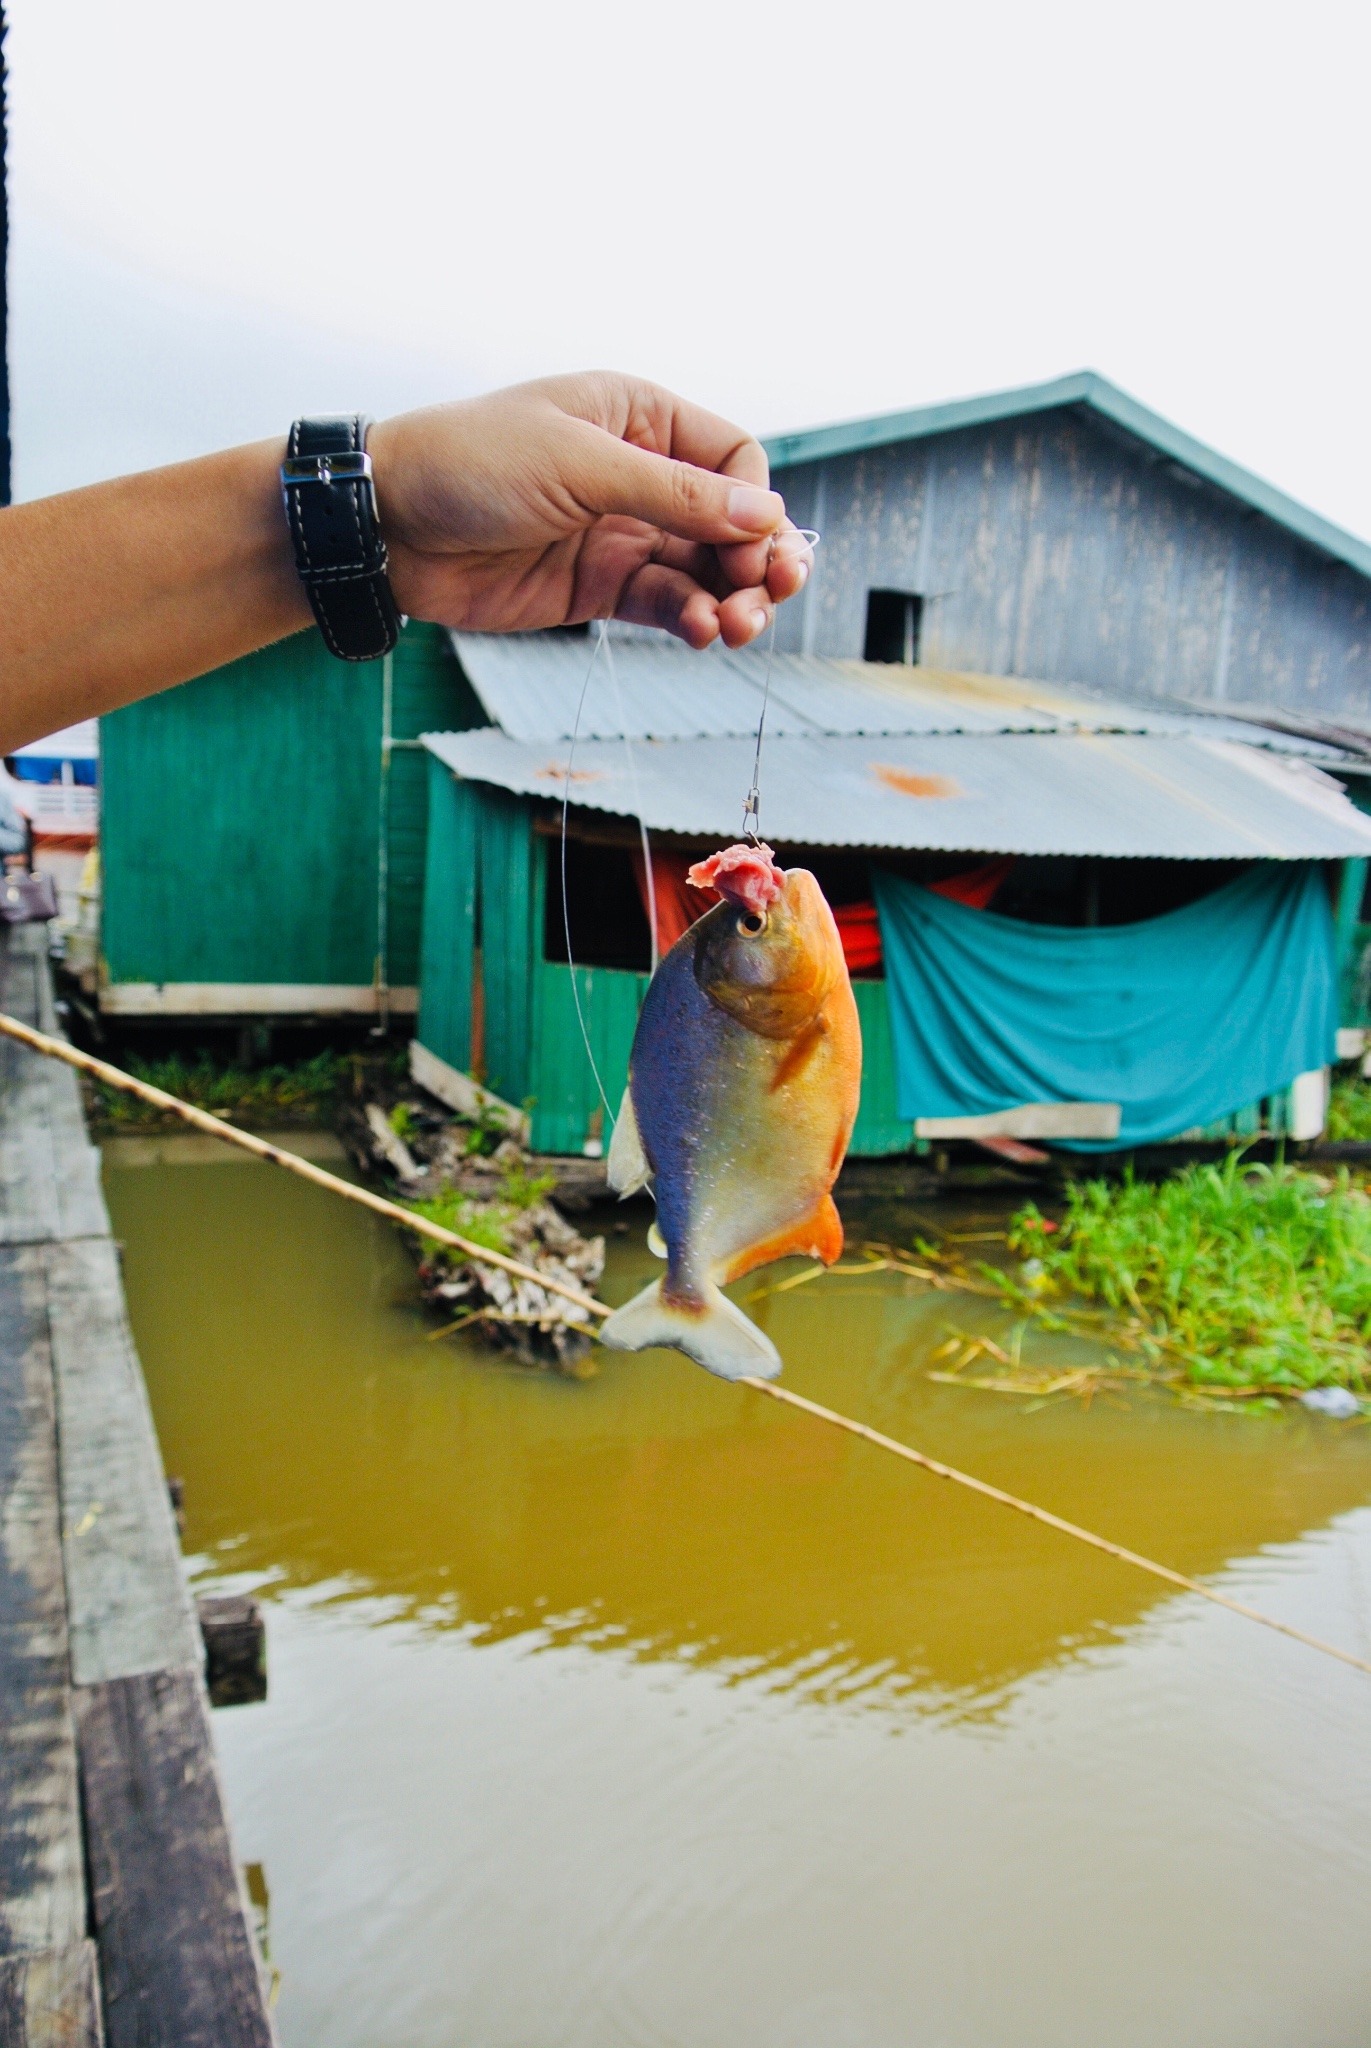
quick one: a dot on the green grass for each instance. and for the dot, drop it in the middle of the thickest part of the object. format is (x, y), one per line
(1349, 1111)
(1226, 1276)
(260, 1095)
(486, 1222)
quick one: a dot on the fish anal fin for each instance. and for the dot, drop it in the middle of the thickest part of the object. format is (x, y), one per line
(626, 1168)
(819, 1235)
(714, 1332)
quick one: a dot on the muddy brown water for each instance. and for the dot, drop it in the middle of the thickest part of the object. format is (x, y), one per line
(640, 1711)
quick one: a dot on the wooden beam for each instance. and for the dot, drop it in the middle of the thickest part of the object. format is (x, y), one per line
(128, 1605)
(42, 1888)
(51, 2000)
(177, 1964)
(49, 1170)
(250, 999)
(235, 1639)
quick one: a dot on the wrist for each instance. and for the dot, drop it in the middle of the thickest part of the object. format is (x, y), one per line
(340, 551)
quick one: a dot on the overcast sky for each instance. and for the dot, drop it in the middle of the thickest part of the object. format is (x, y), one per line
(795, 213)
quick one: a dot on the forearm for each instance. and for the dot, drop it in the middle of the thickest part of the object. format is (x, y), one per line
(111, 593)
(595, 496)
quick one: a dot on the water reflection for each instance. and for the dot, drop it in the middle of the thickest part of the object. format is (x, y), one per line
(325, 1441)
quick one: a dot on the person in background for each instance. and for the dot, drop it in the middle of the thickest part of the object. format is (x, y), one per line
(584, 497)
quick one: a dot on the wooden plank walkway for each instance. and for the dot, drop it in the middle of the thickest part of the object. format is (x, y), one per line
(123, 1919)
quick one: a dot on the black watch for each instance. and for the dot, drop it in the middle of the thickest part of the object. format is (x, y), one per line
(331, 508)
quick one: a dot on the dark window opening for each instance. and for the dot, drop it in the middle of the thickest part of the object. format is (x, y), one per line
(893, 622)
(1047, 889)
(608, 923)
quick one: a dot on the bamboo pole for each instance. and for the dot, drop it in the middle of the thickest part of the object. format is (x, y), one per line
(115, 1077)
(1051, 1521)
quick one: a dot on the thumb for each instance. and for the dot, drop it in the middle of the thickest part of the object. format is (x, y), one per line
(694, 504)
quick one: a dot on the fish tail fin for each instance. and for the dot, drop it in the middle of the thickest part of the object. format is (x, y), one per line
(717, 1335)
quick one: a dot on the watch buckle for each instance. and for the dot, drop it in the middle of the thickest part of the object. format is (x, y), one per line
(345, 467)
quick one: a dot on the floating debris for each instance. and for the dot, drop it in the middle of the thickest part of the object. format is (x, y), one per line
(471, 1177)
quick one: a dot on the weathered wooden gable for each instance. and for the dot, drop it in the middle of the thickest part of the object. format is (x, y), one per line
(1057, 545)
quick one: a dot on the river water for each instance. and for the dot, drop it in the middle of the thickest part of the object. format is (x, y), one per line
(640, 1710)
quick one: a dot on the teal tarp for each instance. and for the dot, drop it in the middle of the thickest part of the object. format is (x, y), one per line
(1181, 1019)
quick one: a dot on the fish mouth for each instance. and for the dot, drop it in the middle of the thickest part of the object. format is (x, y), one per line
(772, 970)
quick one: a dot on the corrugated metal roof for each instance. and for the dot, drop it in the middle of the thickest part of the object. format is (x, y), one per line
(1115, 795)
(656, 688)
(1085, 388)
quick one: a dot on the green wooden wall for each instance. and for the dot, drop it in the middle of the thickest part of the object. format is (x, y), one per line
(563, 1085)
(448, 947)
(240, 817)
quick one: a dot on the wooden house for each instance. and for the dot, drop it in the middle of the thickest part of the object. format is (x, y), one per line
(263, 835)
(1130, 659)
(1067, 533)
(1107, 812)
(1044, 627)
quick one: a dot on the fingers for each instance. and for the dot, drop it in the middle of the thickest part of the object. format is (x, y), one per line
(781, 564)
(608, 475)
(653, 418)
(792, 559)
(744, 617)
(660, 596)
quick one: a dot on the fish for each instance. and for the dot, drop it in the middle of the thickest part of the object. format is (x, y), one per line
(743, 1083)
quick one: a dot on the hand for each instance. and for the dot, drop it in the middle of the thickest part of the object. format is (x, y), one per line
(583, 497)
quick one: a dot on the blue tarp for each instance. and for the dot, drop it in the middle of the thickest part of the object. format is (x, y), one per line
(1182, 1019)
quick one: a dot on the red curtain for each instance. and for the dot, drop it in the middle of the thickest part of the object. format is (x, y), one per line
(978, 885)
(679, 904)
(861, 936)
(860, 931)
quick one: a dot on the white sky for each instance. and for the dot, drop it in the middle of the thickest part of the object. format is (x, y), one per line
(225, 216)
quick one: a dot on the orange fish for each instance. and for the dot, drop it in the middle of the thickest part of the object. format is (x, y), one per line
(742, 1091)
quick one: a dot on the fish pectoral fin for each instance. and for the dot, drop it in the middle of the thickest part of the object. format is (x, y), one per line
(716, 1334)
(819, 1235)
(656, 1243)
(626, 1168)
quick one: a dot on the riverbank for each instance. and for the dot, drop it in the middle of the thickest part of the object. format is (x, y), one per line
(1242, 1277)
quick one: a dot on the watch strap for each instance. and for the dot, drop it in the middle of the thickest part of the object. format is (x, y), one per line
(340, 554)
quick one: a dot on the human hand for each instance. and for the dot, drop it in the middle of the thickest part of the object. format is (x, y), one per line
(583, 497)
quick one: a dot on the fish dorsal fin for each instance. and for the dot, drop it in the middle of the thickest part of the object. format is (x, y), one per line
(626, 1168)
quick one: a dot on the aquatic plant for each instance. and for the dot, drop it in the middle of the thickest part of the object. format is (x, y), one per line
(305, 1092)
(525, 1190)
(485, 1132)
(484, 1223)
(1349, 1111)
(1235, 1275)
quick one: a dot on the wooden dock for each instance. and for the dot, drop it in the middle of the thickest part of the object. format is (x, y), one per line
(123, 1918)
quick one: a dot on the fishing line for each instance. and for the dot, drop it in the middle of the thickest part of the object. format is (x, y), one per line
(751, 808)
(602, 640)
(752, 802)
(638, 810)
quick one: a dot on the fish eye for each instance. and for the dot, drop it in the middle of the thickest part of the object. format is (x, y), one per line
(753, 923)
